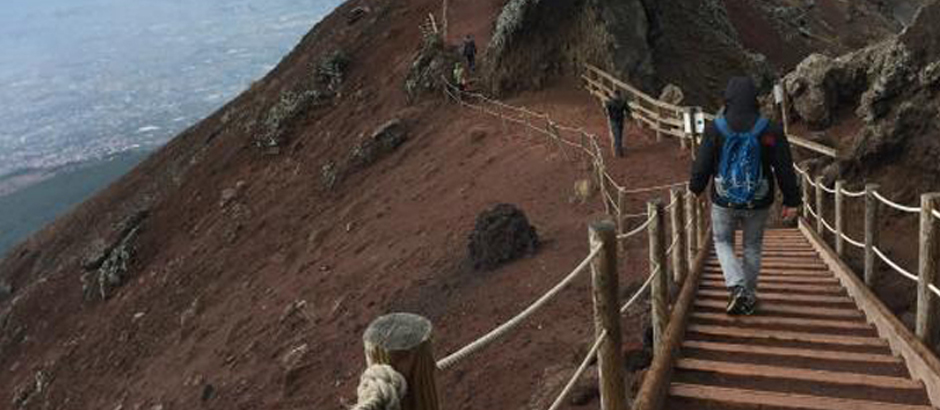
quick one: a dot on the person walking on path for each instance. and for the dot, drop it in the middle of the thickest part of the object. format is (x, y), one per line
(742, 155)
(460, 77)
(617, 112)
(470, 52)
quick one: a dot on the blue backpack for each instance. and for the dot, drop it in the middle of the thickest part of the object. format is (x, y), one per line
(740, 175)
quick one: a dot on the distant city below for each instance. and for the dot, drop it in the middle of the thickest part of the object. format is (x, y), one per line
(85, 79)
(89, 87)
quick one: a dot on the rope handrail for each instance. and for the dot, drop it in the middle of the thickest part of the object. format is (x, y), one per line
(936, 214)
(503, 329)
(613, 203)
(852, 241)
(637, 230)
(829, 190)
(893, 265)
(653, 188)
(851, 194)
(811, 211)
(828, 227)
(380, 387)
(896, 205)
(933, 288)
(634, 216)
(672, 247)
(588, 358)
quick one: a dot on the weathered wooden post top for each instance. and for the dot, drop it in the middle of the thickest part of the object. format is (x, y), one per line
(403, 341)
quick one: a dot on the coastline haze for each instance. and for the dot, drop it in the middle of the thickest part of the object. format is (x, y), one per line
(90, 81)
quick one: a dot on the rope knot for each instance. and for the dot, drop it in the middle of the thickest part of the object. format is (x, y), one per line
(380, 388)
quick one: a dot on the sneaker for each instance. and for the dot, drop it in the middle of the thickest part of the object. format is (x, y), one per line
(735, 300)
(748, 305)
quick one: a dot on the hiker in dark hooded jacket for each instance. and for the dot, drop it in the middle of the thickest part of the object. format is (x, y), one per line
(742, 191)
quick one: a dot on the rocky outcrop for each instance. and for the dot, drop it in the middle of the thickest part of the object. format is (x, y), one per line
(535, 40)
(891, 88)
(501, 234)
(108, 266)
(431, 65)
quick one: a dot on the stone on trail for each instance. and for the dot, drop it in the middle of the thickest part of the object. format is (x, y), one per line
(501, 235)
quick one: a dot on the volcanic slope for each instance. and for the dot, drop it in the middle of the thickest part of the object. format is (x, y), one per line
(252, 281)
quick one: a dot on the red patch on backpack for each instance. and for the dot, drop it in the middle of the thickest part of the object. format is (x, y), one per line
(768, 139)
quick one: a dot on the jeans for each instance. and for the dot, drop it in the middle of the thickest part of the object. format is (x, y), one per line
(724, 223)
(616, 128)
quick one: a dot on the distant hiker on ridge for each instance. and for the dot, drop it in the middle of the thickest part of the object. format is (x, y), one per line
(460, 77)
(742, 154)
(617, 111)
(470, 52)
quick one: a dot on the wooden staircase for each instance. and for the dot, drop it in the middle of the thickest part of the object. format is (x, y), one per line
(809, 346)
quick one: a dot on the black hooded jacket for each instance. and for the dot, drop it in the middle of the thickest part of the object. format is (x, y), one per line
(742, 112)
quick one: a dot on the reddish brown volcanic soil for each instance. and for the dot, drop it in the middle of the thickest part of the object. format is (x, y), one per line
(391, 237)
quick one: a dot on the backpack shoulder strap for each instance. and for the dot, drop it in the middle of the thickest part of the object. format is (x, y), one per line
(759, 127)
(721, 124)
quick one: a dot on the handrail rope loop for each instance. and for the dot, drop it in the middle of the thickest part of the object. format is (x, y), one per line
(672, 247)
(811, 211)
(828, 227)
(895, 205)
(636, 230)
(852, 241)
(936, 214)
(639, 292)
(851, 194)
(381, 387)
(933, 288)
(893, 265)
(829, 190)
(588, 358)
(503, 329)
(654, 188)
(634, 216)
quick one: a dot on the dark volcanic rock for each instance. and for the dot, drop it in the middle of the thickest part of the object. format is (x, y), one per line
(501, 234)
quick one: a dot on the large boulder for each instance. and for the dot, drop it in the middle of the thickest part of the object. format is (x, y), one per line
(501, 235)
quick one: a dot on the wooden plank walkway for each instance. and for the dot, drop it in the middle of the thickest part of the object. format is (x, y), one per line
(810, 345)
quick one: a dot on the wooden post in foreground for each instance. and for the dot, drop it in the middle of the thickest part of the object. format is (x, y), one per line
(871, 234)
(820, 228)
(680, 263)
(660, 285)
(928, 304)
(607, 314)
(692, 212)
(403, 341)
(840, 219)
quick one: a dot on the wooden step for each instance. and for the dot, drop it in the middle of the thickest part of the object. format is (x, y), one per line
(792, 373)
(832, 289)
(778, 272)
(813, 267)
(814, 279)
(792, 352)
(780, 321)
(784, 400)
(774, 308)
(784, 297)
(734, 331)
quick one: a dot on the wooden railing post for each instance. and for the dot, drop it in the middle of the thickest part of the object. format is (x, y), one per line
(403, 341)
(607, 314)
(703, 217)
(871, 234)
(620, 222)
(820, 228)
(660, 284)
(692, 212)
(928, 307)
(804, 184)
(680, 262)
(840, 228)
